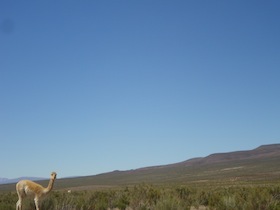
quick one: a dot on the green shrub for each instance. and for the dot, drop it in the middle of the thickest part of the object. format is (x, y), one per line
(149, 197)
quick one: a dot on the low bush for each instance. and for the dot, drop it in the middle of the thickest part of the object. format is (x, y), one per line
(149, 197)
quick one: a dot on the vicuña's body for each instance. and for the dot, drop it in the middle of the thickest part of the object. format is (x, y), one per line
(27, 187)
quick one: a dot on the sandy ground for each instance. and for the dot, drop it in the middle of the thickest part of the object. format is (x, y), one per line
(199, 208)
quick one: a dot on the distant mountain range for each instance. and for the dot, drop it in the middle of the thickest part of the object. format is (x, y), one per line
(260, 165)
(3, 180)
(8, 181)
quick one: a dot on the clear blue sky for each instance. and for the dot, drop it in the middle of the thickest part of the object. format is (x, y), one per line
(88, 87)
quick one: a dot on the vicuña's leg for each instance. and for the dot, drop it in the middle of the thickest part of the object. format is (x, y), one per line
(36, 200)
(19, 205)
(21, 194)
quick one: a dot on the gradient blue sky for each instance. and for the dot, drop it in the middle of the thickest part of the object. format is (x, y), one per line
(88, 87)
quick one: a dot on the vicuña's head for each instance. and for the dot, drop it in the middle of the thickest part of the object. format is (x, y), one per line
(53, 175)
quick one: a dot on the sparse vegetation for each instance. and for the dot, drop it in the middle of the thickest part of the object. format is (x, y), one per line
(145, 197)
(234, 184)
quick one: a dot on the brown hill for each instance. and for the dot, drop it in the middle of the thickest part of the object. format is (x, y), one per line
(260, 165)
(265, 151)
(257, 165)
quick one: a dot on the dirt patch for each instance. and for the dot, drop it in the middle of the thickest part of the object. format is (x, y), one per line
(199, 208)
(233, 168)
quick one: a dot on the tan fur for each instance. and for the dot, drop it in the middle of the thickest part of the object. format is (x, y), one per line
(27, 187)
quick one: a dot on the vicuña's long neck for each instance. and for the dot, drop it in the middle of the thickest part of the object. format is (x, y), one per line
(50, 186)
